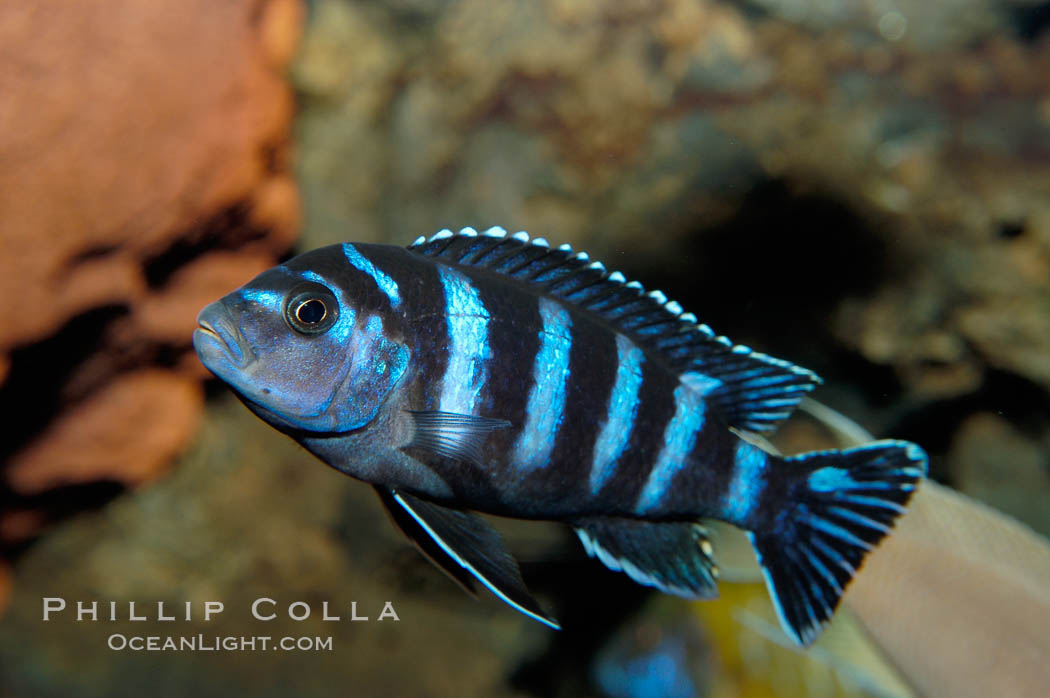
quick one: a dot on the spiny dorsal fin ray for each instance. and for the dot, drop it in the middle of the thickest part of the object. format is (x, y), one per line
(750, 390)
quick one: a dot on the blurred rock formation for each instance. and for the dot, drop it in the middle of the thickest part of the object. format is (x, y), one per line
(145, 172)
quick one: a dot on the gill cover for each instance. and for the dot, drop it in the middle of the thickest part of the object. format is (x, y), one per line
(376, 365)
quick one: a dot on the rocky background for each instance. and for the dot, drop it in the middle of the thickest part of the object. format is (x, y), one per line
(146, 170)
(859, 186)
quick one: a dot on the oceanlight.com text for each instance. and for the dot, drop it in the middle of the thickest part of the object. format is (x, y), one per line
(217, 643)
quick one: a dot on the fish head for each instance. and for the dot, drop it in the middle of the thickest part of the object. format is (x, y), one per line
(303, 346)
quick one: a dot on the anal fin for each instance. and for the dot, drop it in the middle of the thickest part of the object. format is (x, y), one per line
(470, 544)
(674, 557)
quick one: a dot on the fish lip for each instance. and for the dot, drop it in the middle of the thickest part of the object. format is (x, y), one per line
(205, 328)
(217, 333)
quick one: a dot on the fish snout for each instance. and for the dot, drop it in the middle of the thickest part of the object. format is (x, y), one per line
(217, 337)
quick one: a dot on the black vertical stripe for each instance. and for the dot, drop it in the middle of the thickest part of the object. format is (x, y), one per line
(656, 407)
(421, 320)
(513, 344)
(698, 488)
(592, 374)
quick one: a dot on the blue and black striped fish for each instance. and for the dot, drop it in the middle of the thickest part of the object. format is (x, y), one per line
(493, 373)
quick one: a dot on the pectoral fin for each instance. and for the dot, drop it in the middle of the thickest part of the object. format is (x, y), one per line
(469, 545)
(451, 435)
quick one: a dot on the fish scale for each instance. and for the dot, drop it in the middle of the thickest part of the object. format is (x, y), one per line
(493, 372)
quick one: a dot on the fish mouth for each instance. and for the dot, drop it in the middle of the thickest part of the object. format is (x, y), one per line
(217, 339)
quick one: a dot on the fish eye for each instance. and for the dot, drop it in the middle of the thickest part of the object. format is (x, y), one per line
(311, 310)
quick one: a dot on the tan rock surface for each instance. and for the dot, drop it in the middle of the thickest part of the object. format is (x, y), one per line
(120, 137)
(127, 431)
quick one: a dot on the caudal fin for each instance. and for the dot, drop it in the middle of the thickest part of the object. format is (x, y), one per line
(844, 503)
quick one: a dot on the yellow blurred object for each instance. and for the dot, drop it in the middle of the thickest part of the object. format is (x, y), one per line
(757, 660)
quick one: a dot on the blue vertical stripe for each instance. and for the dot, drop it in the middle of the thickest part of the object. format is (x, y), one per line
(749, 477)
(550, 377)
(468, 322)
(269, 299)
(387, 285)
(679, 440)
(621, 411)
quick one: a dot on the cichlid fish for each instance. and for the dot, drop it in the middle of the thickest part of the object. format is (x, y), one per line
(490, 372)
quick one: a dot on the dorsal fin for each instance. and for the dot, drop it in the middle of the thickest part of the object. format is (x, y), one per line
(750, 390)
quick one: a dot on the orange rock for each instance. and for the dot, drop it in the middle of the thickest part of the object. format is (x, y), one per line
(146, 167)
(276, 207)
(129, 431)
(119, 137)
(280, 25)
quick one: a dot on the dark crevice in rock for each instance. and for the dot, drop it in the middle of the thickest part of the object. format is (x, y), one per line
(227, 230)
(37, 386)
(772, 274)
(1030, 20)
(1024, 404)
(54, 505)
(91, 253)
(1011, 230)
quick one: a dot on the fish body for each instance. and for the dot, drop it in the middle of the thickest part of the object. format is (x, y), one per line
(489, 372)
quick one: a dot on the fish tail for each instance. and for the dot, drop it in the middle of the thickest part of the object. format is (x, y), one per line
(842, 504)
